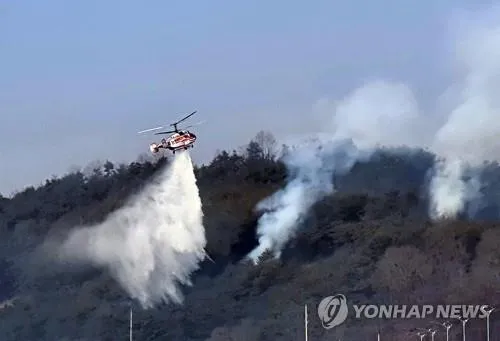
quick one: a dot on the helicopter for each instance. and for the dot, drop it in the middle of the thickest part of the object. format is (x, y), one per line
(179, 138)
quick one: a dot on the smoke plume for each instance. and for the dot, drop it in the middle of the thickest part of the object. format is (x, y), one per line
(463, 133)
(469, 137)
(311, 166)
(378, 114)
(152, 244)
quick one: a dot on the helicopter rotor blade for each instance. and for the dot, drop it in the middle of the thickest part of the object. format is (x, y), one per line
(185, 118)
(147, 130)
(172, 125)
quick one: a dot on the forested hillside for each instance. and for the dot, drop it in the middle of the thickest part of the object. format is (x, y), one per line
(371, 240)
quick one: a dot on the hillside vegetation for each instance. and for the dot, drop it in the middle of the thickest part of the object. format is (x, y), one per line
(371, 241)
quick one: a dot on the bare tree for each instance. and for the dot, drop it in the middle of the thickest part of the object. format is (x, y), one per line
(267, 143)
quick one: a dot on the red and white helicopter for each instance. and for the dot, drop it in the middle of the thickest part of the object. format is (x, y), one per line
(179, 139)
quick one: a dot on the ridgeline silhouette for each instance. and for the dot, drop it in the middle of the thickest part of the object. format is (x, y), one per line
(371, 240)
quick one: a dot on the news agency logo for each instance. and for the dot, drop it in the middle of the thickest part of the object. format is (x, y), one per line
(333, 311)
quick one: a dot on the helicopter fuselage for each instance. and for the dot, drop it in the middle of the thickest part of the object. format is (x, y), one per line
(180, 140)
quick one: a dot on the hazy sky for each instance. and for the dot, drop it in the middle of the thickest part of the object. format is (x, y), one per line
(78, 79)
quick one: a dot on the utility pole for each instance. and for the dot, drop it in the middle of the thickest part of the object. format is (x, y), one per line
(464, 321)
(305, 321)
(130, 327)
(488, 312)
(447, 325)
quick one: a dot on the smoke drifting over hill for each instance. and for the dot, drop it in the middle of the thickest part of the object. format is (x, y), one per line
(387, 114)
(311, 167)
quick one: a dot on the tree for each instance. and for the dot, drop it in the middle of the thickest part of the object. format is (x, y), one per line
(254, 151)
(267, 143)
(144, 158)
(285, 151)
(93, 169)
(486, 266)
(401, 268)
(108, 168)
(245, 330)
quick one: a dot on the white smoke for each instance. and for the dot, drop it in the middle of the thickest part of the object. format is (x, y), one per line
(152, 244)
(312, 166)
(463, 134)
(470, 135)
(357, 119)
(380, 113)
